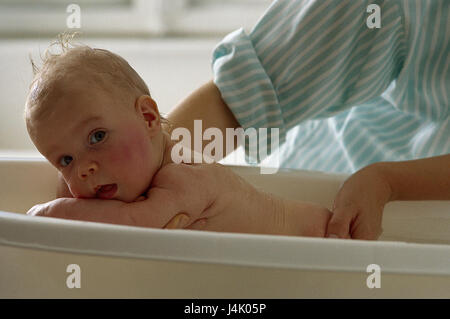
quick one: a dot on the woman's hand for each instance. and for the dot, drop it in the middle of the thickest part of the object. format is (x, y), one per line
(358, 206)
(176, 222)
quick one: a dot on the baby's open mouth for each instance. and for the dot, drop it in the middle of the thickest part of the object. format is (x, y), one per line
(106, 191)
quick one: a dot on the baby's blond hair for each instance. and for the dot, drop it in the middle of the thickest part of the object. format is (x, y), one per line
(98, 67)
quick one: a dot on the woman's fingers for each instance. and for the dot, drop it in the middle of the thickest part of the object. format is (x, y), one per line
(198, 224)
(140, 198)
(339, 224)
(178, 222)
(182, 221)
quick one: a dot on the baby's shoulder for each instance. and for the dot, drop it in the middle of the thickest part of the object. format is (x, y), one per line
(174, 176)
(178, 176)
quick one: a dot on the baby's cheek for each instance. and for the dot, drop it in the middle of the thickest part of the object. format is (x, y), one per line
(130, 151)
(120, 155)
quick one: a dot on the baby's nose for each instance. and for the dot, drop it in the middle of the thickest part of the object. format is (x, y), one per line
(86, 170)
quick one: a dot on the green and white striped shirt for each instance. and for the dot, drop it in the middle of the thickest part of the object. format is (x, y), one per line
(342, 94)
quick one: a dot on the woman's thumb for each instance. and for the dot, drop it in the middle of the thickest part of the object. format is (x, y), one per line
(178, 222)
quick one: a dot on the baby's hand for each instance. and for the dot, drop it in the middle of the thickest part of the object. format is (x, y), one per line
(358, 206)
(40, 209)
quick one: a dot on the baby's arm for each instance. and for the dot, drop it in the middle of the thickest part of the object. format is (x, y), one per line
(94, 210)
(155, 211)
(62, 191)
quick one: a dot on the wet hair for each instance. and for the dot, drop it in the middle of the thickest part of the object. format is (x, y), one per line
(73, 61)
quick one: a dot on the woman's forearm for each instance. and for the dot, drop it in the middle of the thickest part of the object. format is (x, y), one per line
(204, 104)
(421, 179)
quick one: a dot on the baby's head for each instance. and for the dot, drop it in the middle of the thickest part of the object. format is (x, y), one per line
(91, 115)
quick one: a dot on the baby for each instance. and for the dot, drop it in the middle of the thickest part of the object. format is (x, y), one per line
(92, 116)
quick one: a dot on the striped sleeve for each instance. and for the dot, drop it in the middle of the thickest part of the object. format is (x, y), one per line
(308, 60)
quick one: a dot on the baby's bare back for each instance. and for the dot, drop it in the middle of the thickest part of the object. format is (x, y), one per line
(223, 201)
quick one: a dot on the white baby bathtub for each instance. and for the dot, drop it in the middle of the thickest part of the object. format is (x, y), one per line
(132, 262)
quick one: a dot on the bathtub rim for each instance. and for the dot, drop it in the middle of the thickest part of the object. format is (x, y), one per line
(222, 248)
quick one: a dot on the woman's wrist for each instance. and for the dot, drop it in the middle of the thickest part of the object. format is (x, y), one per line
(420, 179)
(384, 178)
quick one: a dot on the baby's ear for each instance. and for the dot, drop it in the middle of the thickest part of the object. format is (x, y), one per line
(146, 108)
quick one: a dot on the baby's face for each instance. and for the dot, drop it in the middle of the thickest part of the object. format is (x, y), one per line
(103, 149)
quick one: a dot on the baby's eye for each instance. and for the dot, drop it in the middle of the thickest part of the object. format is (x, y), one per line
(97, 137)
(65, 160)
